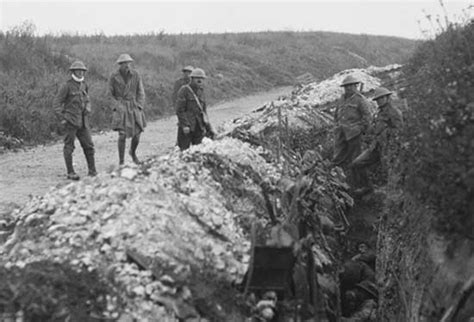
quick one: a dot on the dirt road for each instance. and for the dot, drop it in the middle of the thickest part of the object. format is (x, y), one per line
(34, 171)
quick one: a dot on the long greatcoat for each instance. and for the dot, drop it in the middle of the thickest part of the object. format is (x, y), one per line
(352, 118)
(129, 100)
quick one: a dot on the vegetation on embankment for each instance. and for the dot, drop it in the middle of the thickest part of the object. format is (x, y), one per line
(32, 68)
(426, 241)
(436, 162)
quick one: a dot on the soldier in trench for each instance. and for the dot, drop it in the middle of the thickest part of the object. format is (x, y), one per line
(352, 119)
(386, 124)
(128, 118)
(191, 109)
(73, 107)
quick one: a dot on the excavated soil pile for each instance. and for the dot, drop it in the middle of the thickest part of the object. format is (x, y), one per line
(168, 239)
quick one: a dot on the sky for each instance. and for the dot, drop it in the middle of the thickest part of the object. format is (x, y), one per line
(401, 18)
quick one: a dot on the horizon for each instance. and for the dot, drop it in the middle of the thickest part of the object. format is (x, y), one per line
(402, 19)
(157, 33)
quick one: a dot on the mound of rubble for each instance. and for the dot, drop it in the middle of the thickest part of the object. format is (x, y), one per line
(168, 238)
(302, 121)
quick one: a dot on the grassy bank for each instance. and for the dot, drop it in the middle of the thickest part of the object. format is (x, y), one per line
(32, 68)
(436, 161)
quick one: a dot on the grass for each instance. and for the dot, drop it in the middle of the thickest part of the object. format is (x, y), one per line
(32, 68)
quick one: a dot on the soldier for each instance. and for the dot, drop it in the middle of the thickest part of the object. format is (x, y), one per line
(387, 121)
(352, 119)
(191, 109)
(72, 106)
(177, 85)
(128, 117)
(180, 82)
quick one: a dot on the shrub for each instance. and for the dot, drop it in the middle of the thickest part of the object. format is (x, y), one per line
(436, 161)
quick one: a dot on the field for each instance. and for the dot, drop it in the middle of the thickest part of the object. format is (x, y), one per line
(32, 68)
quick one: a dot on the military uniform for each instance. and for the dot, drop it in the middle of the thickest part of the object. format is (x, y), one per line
(352, 118)
(386, 124)
(129, 100)
(72, 107)
(177, 85)
(191, 115)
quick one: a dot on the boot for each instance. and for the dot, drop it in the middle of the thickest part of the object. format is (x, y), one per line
(70, 168)
(91, 164)
(121, 150)
(133, 149)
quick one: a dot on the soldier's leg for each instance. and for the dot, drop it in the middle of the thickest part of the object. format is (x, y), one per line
(133, 147)
(184, 140)
(197, 136)
(121, 146)
(340, 152)
(68, 149)
(354, 147)
(84, 136)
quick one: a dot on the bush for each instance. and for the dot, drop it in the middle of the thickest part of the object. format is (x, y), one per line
(436, 161)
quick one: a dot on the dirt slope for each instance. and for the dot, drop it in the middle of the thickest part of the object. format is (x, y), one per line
(34, 171)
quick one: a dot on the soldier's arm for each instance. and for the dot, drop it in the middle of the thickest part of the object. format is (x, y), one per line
(396, 118)
(140, 93)
(203, 102)
(112, 92)
(87, 99)
(59, 100)
(176, 87)
(181, 105)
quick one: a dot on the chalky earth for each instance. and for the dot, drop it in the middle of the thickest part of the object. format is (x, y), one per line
(170, 239)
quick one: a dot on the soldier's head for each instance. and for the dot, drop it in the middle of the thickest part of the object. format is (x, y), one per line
(197, 77)
(125, 62)
(362, 247)
(187, 71)
(78, 69)
(382, 96)
(350, 84)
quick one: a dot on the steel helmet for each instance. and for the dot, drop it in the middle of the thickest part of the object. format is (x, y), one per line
(380, 92)
(188, 68)
(78, 65)
(124, 58)
(198, 73)
(350, 80)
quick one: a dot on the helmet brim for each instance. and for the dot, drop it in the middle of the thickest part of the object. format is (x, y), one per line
(347, 84)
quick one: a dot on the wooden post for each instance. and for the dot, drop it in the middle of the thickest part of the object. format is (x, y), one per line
(279, 134)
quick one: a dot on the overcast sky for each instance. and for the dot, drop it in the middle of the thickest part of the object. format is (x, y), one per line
(380, 17)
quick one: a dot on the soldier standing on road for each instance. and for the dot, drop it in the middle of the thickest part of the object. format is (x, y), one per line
(72, 106)
(180, 82)
(352, 119)
(387, 121)
(191, 109)
(177, 85)
(128, 119)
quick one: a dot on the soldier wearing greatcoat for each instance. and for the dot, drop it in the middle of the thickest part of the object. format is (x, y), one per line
(352, 119)
(128, 94)
(387, 122)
